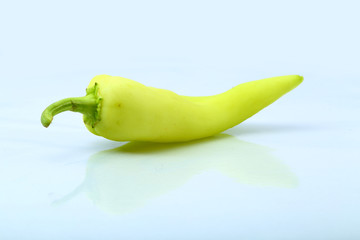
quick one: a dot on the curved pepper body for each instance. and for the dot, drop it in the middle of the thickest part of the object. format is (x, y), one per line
(132, 111)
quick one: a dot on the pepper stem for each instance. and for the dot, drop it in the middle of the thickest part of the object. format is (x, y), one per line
(86, 105)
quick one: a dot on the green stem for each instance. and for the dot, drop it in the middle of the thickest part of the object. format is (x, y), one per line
(86, 105)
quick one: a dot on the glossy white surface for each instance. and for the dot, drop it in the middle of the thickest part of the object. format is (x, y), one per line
(289, 172)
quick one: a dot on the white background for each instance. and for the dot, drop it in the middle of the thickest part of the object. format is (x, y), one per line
(289, 172)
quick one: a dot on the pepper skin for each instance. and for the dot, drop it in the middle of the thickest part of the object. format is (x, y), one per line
(121, 109)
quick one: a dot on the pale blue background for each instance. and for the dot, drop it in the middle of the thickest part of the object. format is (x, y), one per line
(292, 172)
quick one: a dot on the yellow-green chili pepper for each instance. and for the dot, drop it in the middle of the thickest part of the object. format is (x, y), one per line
(121, 109)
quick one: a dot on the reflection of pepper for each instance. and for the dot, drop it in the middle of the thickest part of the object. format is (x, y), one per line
(123, 179)
(123, 110)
